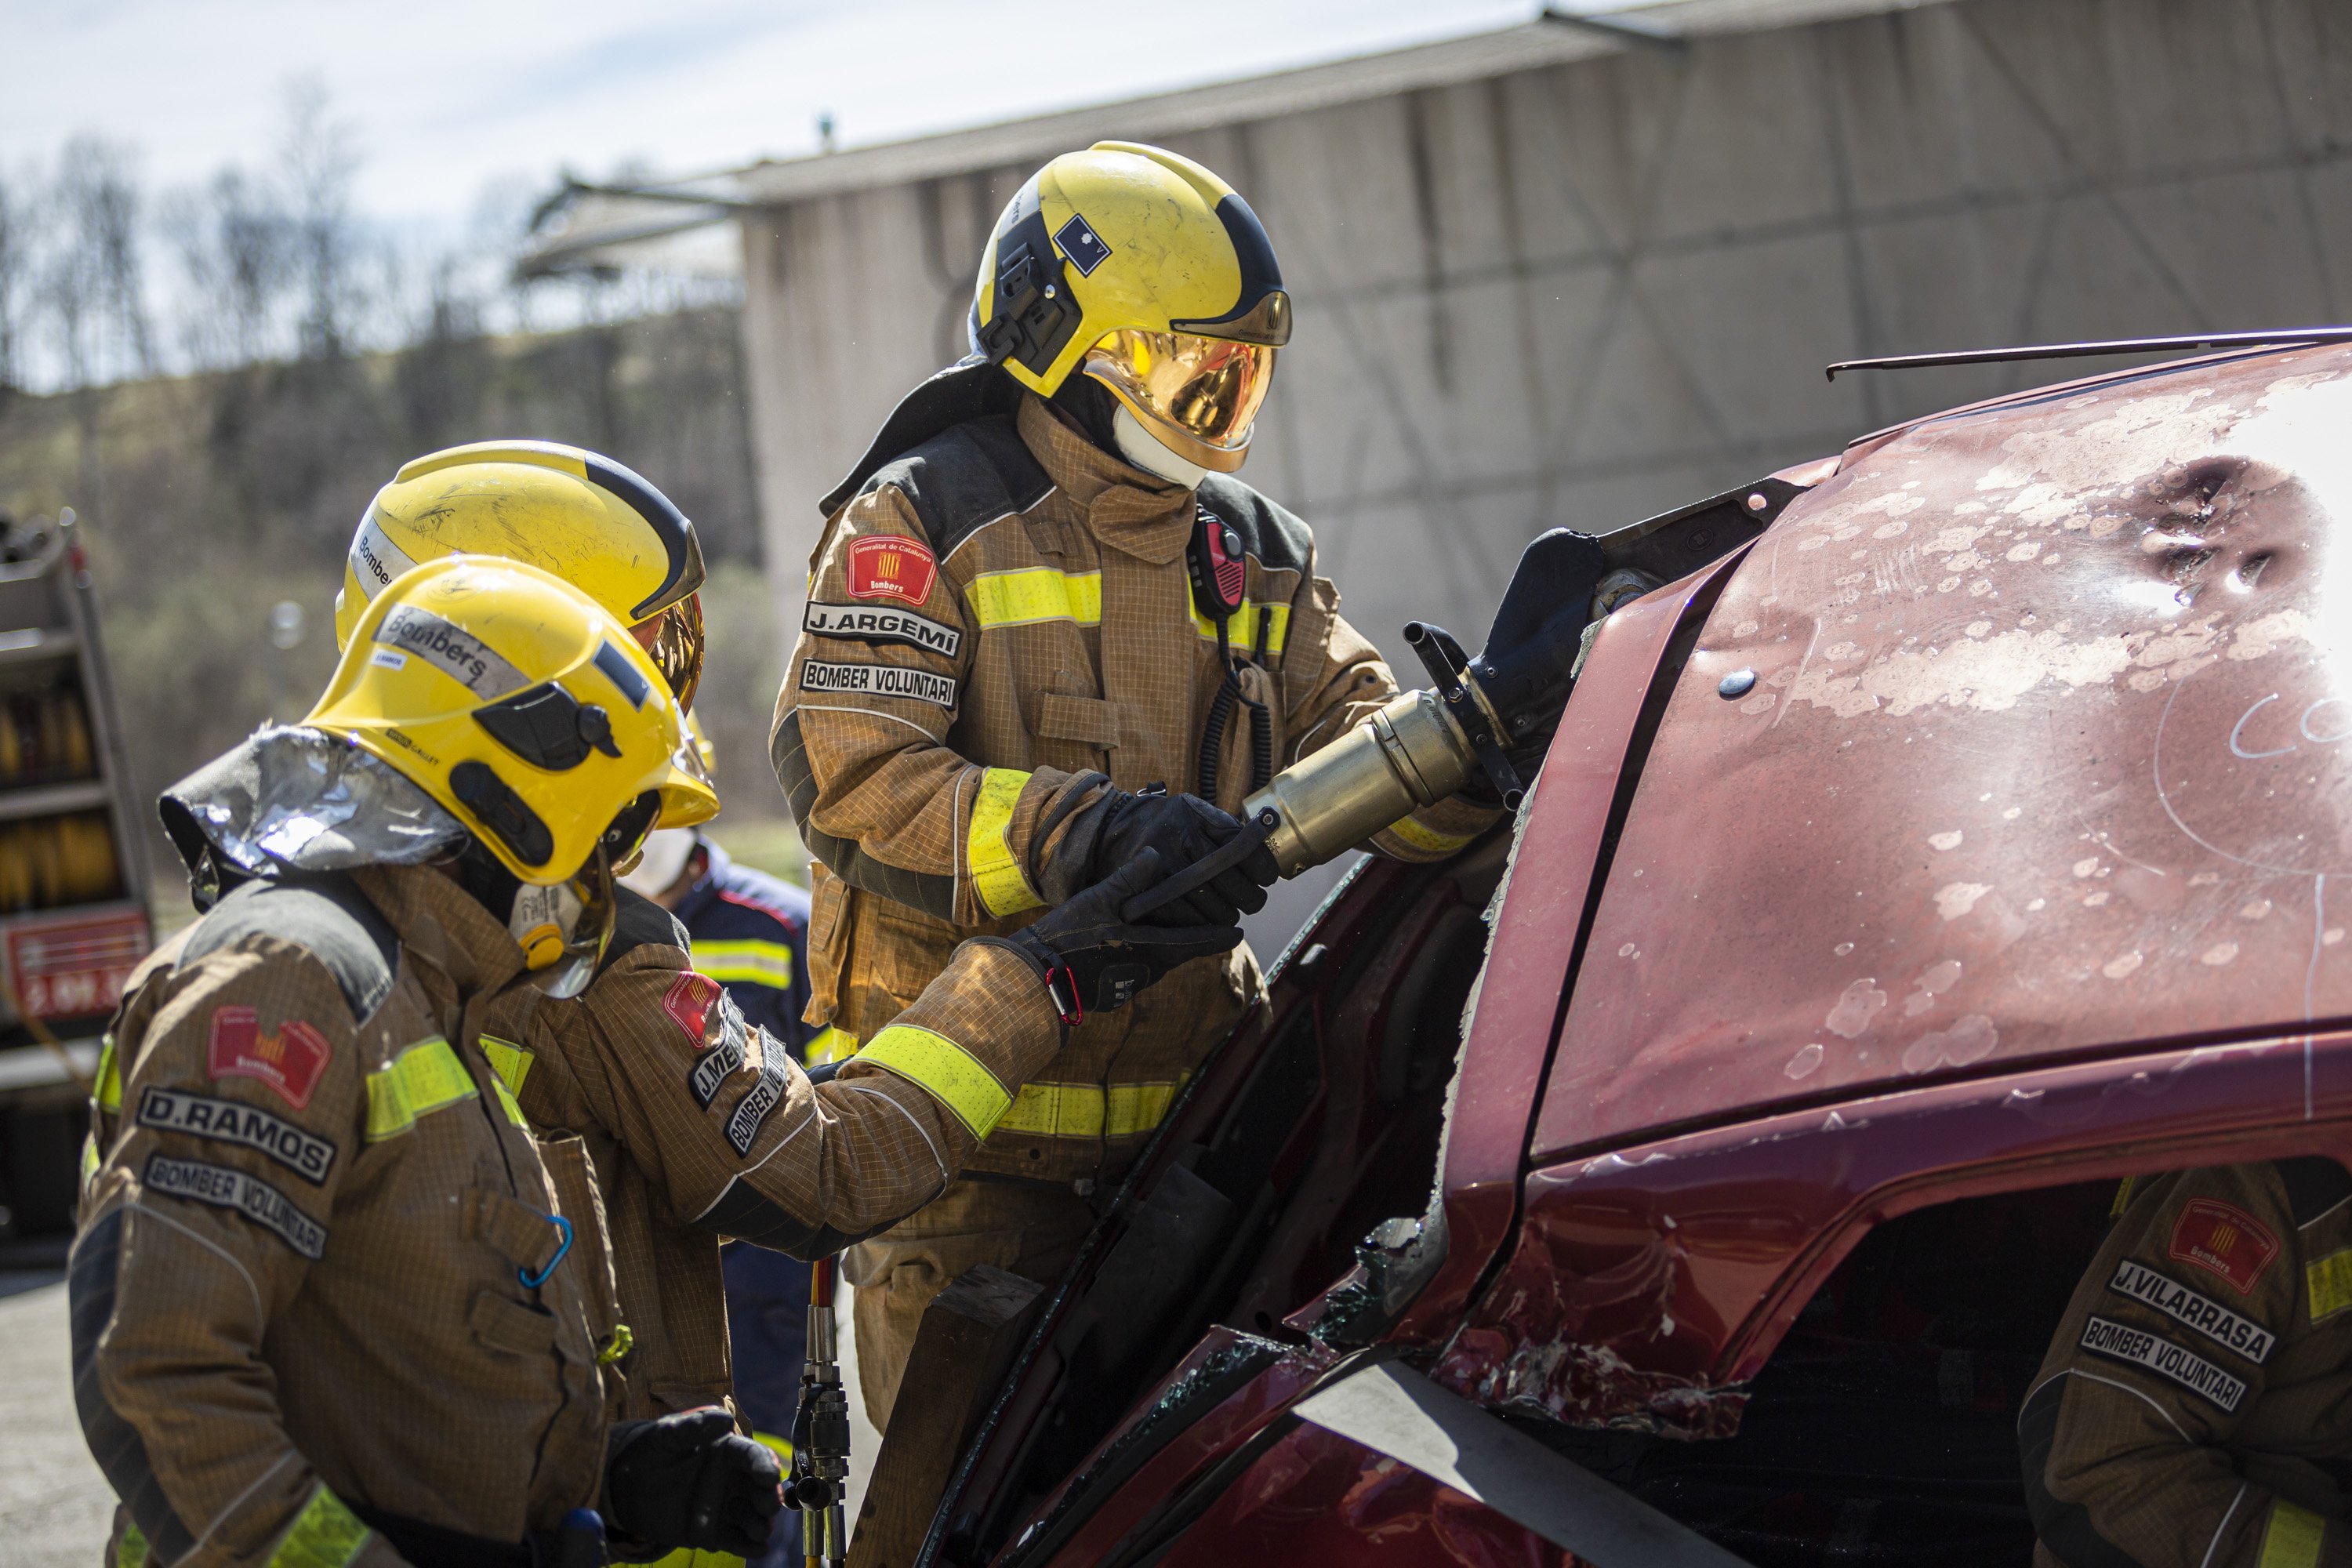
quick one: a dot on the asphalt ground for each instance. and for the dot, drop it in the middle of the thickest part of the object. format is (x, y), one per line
(54, 1506)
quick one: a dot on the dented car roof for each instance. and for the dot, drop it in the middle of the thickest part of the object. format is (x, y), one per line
(2047, 751)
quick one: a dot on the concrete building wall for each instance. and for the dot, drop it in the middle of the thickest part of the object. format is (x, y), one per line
(1583, 293)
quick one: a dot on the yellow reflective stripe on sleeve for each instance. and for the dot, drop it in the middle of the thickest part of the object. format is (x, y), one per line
(1241, 630)
(1035, 594)
(512, 1062)
(423, 1079)
(106, 1084)
(692, 1557)
(2292, 1538)
(1428, 840)
(2329, 1280)
(996, 874)
(954, 1077)
(831, 1045)
(750, 961)
(133, 1552)
(1088, 1111)
(325, 1535)
(779, 1446)
(509, 1104)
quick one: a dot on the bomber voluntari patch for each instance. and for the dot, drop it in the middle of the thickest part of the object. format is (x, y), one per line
(743, 1126)
(687, 1002)
(224, 1188)
(306, 1155)
(2121, 1341)
(288, 1061)
(878, 680)
(891, 566)
(849, 623)
(2199, 1311)
(2224, 1240)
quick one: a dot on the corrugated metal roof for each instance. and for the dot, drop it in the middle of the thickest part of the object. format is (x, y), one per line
(600, 226)
(1477, 57)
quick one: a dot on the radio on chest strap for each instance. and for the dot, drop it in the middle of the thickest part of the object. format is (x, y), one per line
(1220, 588)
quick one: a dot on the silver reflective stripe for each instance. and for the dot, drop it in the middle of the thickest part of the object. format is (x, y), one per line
(455, 652)
(375, 559)
(1393, 1410)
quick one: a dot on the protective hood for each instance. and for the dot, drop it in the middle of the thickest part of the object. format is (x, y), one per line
(293, 798)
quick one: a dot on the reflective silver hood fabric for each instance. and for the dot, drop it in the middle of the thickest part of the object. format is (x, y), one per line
(297, 799)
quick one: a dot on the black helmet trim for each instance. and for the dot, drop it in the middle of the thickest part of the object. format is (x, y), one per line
(1262, 295)
(669, 525)
(497, 806)
(1031, 311)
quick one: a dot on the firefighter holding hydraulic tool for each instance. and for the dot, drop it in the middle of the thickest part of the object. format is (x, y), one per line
(1047, 629)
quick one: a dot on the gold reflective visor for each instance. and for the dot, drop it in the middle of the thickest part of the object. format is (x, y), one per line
(1199, 394)
(673, 640)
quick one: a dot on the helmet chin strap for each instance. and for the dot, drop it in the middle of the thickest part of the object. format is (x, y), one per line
(1148, 452)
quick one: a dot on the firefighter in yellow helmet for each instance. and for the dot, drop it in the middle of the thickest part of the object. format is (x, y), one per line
(1047, 628)
(320, 1057)
(333, 1301)
(565, 509)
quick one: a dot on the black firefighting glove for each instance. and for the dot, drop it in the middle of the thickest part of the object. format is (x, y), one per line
(1091, 961)
(1532, 646)
(691, 1480)
(1182, 828)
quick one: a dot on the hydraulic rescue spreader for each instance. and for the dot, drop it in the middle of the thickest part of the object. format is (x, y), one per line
(819, 1480)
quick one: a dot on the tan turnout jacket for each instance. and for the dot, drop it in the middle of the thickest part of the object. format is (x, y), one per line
(996, 621)
(307, 1214)
(701, 1127)
(2195, 1410)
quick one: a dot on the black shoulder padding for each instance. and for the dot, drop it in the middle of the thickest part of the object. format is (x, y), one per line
(1279, 539)
(114, 1442)
(638, 921)
(965, 478)
(324, 914)
(2314, 1183)
(970, 389)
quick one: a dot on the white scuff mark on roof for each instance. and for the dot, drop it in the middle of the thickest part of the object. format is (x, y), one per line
(1954, 900)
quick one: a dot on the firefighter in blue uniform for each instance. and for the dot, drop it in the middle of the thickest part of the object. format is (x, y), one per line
(750, 932)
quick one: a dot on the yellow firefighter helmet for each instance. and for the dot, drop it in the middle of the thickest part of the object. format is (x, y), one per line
(562, 509)
(1146, 271)
(523, 708)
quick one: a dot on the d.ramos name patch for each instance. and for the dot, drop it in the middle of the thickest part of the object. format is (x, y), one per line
(306, 1155)
(205, 1183)
(877, 680)
(850, 624)
(2137, 1347)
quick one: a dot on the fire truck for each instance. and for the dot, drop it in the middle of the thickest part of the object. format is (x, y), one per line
(73, 883)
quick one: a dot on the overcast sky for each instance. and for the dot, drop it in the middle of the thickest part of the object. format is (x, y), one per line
(444, 97)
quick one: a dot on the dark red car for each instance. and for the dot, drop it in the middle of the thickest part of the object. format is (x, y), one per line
(1698, 1173)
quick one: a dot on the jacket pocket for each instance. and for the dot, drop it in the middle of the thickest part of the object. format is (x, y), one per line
(1090, 721)
(509, 1326)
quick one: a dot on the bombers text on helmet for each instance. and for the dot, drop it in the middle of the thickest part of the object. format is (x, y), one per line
(561, 509)
(522, 707)
(1146, 271)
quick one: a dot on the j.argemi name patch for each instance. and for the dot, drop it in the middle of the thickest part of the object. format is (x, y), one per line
(877, 680)
(850, 624)
(2121, 1341)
